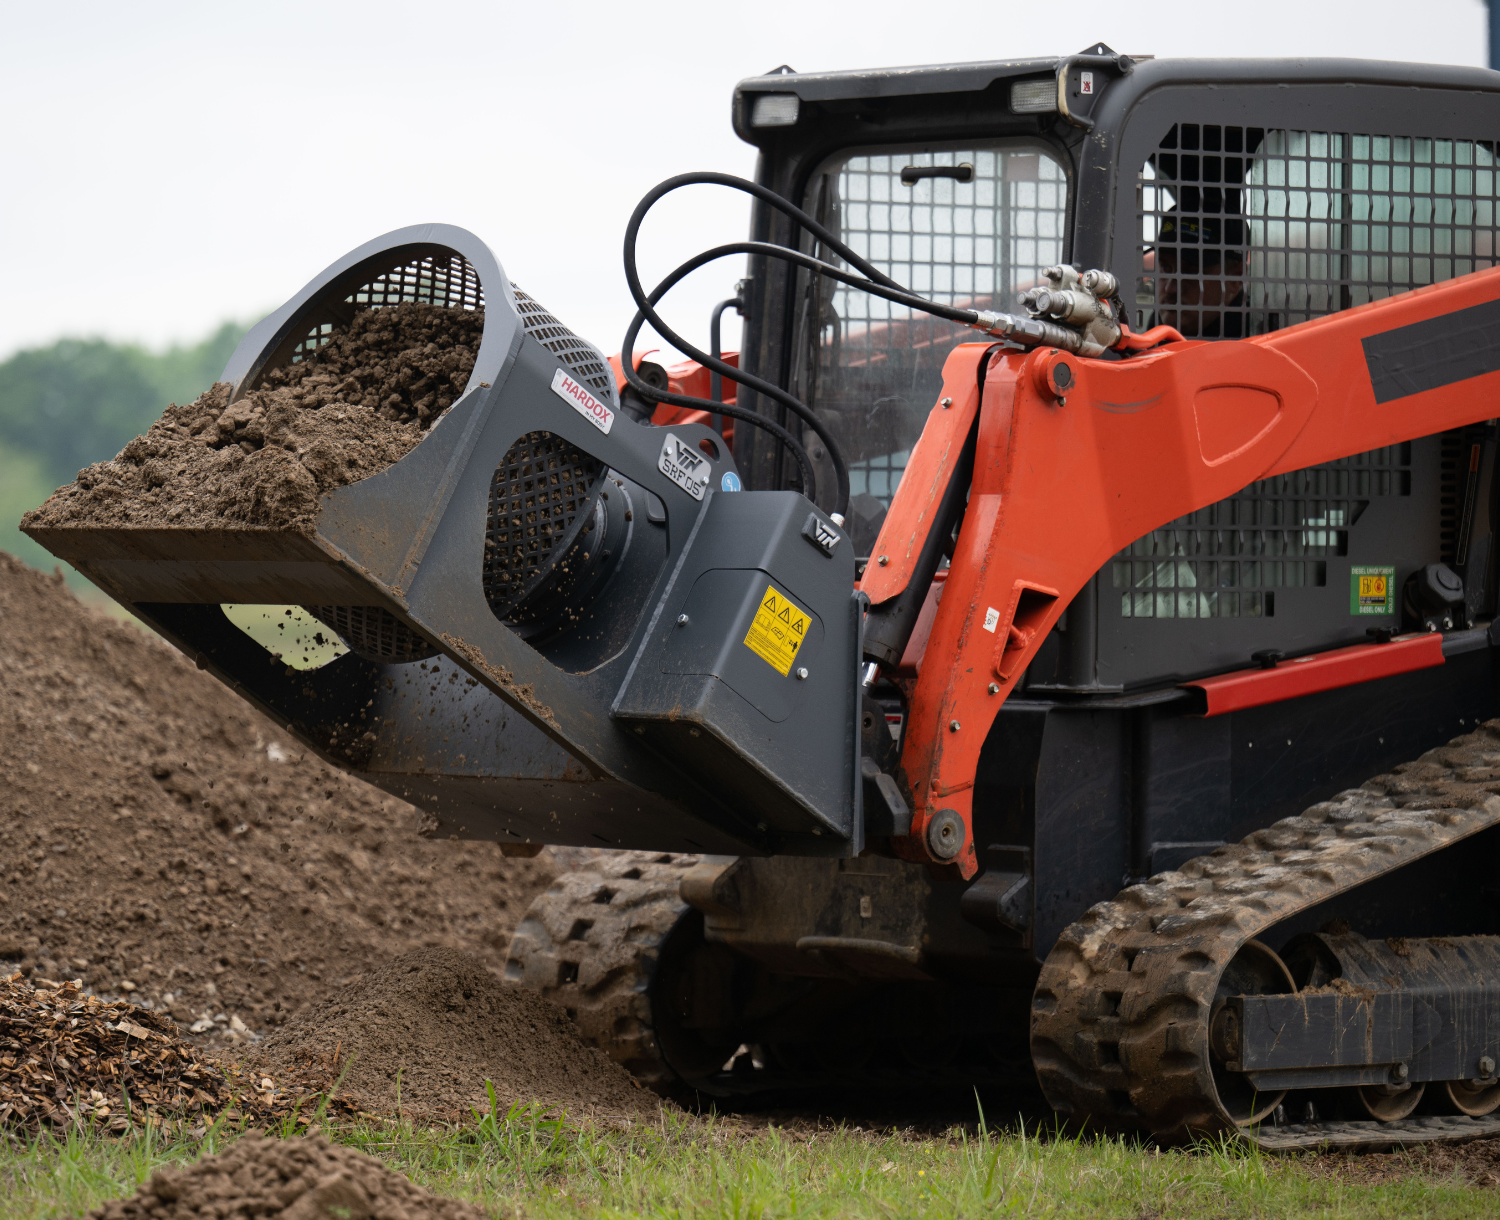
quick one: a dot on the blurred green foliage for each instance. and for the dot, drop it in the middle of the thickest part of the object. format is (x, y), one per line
(79, 401)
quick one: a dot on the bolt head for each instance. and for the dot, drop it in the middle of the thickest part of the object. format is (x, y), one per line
(1400, 1072)
(802, 675)
(953, 726)
(945, 403)
(994, 688)
(1486, 1066)
(682, 620)
(883, 560)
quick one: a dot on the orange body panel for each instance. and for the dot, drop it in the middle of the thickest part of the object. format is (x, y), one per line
(690, 378)
(1320, 671)
(1061, 485)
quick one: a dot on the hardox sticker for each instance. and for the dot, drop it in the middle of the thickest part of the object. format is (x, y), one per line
(596, 412)
(991, 620)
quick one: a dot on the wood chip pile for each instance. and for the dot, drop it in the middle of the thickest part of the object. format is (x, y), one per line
(70, 1058)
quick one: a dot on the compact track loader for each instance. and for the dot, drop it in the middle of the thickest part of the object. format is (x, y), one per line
(1082, 659)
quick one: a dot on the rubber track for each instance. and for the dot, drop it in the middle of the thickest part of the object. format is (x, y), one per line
(1119, 1027)
(606, 921)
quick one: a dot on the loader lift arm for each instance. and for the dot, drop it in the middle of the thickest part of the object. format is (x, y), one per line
(1078, 457)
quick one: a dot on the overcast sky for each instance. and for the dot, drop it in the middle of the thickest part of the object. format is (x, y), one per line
(167, 166)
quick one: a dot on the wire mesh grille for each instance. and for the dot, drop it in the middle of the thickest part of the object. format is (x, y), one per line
(974, 243)
(450, 283)
(1460, 460)
(578, 354)
(1226, 560)
(375, 633)
(1244, 230)
(538, 495)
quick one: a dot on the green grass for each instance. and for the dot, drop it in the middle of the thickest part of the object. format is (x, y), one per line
(519, 1163)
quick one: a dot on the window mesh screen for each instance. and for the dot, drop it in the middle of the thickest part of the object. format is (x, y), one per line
(975, 243)
(1244, 230)
(1227, 560)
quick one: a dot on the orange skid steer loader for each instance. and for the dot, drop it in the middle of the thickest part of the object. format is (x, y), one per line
(1079, 657)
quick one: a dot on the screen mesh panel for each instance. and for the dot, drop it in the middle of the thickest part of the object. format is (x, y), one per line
(539, 494)
(1244, 230)
(1227, 560)
(877, 367)
(375, 633)
(578, 354)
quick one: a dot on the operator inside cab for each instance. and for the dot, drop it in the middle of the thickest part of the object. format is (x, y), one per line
(1199, 261)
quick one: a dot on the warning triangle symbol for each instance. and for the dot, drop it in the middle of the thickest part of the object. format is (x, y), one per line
(786, 615)
(800, 626)
(769, 604)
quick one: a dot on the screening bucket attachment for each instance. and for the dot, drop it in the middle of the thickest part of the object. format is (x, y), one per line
(561, 628)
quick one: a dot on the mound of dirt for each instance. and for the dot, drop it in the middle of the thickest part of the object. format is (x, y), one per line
(436, 1025)
(297, 1179)
(67, 1057)
(1476, 1162)
(355, 406)
(162, 841)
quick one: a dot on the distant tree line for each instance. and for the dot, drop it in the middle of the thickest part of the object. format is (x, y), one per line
(79, 401)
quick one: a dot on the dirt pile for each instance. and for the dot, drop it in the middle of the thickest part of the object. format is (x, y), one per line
(161, 840)
(67, 1057)
(429, 1029)
(299, 1179)
(1476, 1162)
(350, 409)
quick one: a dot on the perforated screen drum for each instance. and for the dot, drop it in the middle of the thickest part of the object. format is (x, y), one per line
(374, 633)
(541, 497)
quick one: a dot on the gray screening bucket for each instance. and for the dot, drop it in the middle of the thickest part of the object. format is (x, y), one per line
(556, 616)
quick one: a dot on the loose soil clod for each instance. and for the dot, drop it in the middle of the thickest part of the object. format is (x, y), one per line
(298, 1179)
(355, 406)
(430, 1029)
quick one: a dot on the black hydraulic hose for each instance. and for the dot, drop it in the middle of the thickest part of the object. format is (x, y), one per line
(793, 445)
(765, 195)
(721, 368)
(877, 283)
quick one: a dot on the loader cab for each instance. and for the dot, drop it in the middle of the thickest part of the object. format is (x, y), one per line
(1230, 198)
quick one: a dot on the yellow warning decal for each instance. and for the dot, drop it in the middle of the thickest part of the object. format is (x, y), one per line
(777, 631)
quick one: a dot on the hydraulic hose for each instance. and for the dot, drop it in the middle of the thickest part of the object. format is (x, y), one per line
(873, 281)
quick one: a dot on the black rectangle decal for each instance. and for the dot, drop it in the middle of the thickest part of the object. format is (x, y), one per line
(1434, 353)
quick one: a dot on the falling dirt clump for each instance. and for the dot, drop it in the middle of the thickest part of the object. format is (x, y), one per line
(165, 843)
(437, 1026)
(295, 1179)
(350, 409)
(67, 1057)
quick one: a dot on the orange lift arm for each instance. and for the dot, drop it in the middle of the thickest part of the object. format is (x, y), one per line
(1077, 458)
